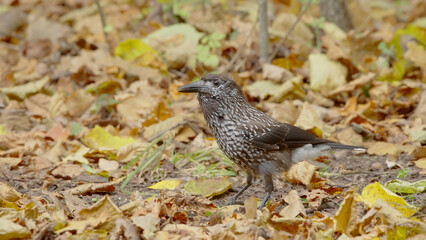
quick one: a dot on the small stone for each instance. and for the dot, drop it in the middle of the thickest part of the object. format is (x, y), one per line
(376, 166)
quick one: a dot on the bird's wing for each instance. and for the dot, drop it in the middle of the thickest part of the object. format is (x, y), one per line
(269, 137)
(274, 136)
(282, 134)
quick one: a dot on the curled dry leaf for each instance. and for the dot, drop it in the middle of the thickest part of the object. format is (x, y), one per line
(92, 188)
(148, 223)
(359, 82)
(310, 120)
(346, 218)
(124, 229)
(21, 91)
(11, 230)
(8, 193)
(302, 172)
(294, 207)
(103, 213)
(316, 196)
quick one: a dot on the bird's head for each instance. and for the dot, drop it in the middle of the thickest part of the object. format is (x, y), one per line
(216, 86)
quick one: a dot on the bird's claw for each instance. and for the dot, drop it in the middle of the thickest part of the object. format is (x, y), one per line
(234, 202)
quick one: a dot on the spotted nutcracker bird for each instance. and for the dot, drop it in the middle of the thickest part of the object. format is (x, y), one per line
(260, 145)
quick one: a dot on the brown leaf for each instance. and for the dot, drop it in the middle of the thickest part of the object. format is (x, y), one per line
(67, 171)
(316, 196)
(250, 204)
(383, 148)
(149, 224)
(58, 133)
(8, 193)
(294, 207)
(92, 188)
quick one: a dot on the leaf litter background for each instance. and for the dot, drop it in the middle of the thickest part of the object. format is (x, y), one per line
(97, 143)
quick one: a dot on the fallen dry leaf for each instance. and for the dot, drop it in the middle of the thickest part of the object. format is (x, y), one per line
(383, 148)
(294, 207)
(326, 73)
(67, 171)
(208, 187)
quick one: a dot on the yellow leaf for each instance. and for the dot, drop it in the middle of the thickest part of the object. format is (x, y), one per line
(3, 130)
(421, 163)
(11, 230)
(326, 73)
(208, 187)
(21, 91)
(375, 191)
(131, 49)
(102, 215)
(8, 193)
(346, 218)
(404, 232)
(141, 53)
(99, 137)
(150, 199)
(166, 184)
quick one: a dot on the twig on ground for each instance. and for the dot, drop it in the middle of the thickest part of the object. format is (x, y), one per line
(188, 123)
(104, 24)
(166, 130)
(358, 172)
(291, 29)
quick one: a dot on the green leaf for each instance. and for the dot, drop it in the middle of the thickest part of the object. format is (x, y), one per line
(403, 173)
(400, 186)
(75, 129)
(88, 169)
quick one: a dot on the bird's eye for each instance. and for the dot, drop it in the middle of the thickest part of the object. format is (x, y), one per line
(216, 82)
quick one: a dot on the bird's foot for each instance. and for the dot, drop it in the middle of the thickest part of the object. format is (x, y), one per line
(265, 199)
(234, 202)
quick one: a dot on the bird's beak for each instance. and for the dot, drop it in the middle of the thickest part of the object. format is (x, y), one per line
(192, 87)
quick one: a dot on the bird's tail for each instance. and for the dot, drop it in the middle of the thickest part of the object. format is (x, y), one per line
(334, 145)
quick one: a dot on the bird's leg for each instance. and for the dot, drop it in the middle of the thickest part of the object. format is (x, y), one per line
(269, 187)
(248, 184)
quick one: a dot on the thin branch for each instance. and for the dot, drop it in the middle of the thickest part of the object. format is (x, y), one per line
(238, 53)
(335, 174)
(104, 24)
(166, 130)
(291, 29)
